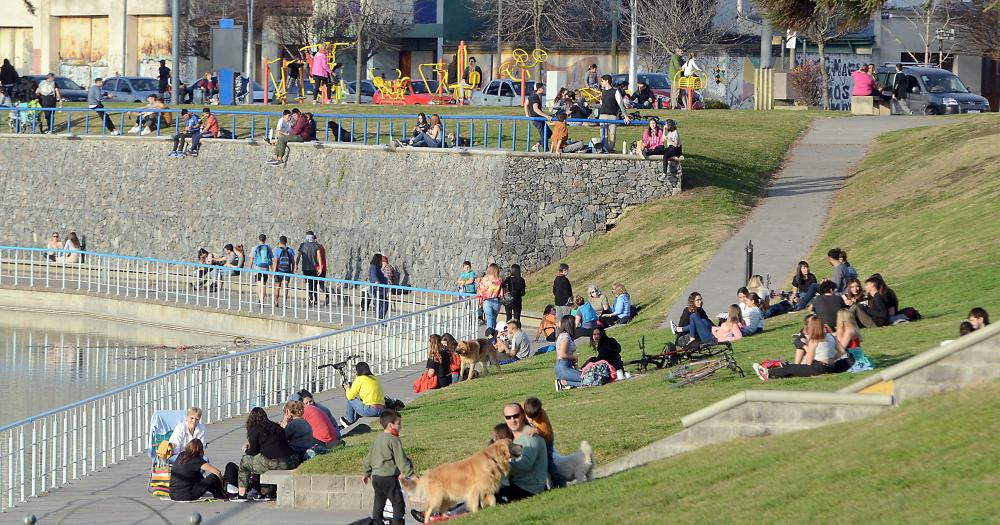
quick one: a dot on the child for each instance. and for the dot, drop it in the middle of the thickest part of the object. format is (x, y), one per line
(385, 463)
(548, 327)
(467, 279)
(540, 420)
(560, 134)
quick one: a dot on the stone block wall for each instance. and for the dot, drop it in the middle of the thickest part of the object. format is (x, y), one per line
(426, 209)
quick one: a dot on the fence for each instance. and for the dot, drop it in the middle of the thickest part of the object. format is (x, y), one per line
(48, 450)
(320, 299)
(480, 131)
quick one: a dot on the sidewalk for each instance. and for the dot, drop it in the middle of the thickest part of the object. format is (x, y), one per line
(117, 495)
(788, 220)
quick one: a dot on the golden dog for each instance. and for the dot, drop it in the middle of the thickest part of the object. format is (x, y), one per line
(474, 480)
(477, 351)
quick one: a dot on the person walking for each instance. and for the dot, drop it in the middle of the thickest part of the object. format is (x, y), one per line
(308, 261)
(900, 90)
(164, 76)
(515, 287)
(533, 108)
(283, 263)
(48, 95)
(262, 258)
(611, 109)
(8, 77)
(676, 64)
(377, 292)
(321, 271)
(320, 72)
(95, 95)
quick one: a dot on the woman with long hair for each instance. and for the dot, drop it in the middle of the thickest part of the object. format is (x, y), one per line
(652, 140)
(439, 362)
(756, 285)
(855, 293)
(298, 431)
(378, 292)
(732, 328)
(514, 285)
(755, 318)
(802, 281)
(567, 375)
(489, 289)
(622, 311)
(266, 449)
(430, 138)
(820, 352)
(694, 321)
(451, 345)
(187, 483)
(365, 397)
(882, 304)
(72, 243)
(607, 349)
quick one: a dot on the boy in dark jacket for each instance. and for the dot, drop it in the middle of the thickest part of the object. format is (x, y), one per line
(385, 463)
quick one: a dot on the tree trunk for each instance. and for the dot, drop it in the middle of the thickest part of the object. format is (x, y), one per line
(821, 47)
(537, 30)
(358, 69)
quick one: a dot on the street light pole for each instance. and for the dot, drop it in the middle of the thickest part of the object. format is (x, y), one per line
(499, 42)
(633, 43)
(175, 49)
(250, 57)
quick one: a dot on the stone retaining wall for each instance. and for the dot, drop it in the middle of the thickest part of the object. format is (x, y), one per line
(426, 209)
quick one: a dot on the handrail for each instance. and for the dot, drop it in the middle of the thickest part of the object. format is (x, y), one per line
(232, 269)
(224, 357)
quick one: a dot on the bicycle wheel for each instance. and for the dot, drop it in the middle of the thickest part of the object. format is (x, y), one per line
(693, 372)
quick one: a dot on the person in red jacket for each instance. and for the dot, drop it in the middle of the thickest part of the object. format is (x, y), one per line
(299, 133)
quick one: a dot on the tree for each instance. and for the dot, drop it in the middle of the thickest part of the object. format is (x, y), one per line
(542, 23)
(664, 25)
(978, 28)
(926, 19)
(29, 6)
(791, 14)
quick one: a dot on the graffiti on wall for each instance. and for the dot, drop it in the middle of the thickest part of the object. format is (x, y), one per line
(730, 79)
(839, 67)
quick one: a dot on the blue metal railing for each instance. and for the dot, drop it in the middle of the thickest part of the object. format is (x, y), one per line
(471, 131)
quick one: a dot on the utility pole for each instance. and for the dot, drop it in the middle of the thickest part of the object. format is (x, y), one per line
(175, 49)
(250, 57)
(124, 37)
(614, 34)
(633, 43)
(499, 42)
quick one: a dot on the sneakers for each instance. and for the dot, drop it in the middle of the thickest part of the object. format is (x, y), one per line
(232, 489)
(673, 326)
(417, 515)
(275, 162)
(343, 422)
(191, 153)
(116, 132)
(239, 499)
(762, 372)
(145, 131)
(135, 129)
(535, 147)
(175, 154)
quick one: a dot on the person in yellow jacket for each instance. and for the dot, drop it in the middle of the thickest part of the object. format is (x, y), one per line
(365, 397)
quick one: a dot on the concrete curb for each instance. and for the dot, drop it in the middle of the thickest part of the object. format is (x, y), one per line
(782, 396)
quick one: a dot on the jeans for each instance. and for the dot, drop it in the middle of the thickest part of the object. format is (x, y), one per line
(423, 140)
(806, 296)
(543, 134)
(379, 296)
(701, 329)
(180, 139)
(292, 87)
(281, 144)
(357, 409)
(387, 488)
(318, 83)
(491, 307)
(108, 122)
(608, 133)
(196, 141)
(557, 480)
(566, 372)
(792, 370)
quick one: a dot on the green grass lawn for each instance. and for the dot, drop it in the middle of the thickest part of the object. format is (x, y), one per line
(928, 224)
(940, 264)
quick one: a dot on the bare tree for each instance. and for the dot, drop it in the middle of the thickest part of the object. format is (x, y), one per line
(926, 19)
(202, 16)
(669, 24)
(978, 28)
(29, 6)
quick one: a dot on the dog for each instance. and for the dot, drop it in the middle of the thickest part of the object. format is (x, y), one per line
(463, 142)
(577, 467)
(477, 351)
(473, 480)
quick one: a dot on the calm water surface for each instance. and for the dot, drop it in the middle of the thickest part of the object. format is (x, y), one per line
(48, 361)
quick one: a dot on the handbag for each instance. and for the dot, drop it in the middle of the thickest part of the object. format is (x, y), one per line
(506, 297)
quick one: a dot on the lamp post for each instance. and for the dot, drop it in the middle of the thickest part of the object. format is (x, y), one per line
(942, 35)
(250, 57)
(175, 49)
(633, 43)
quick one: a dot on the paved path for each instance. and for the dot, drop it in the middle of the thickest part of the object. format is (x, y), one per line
(787, 221)
(94, 499)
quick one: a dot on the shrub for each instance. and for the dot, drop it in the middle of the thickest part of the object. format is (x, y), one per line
(807, 79)
(715, 104)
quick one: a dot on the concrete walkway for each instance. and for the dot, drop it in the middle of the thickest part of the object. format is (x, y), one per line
(787, 221)
(118, 496)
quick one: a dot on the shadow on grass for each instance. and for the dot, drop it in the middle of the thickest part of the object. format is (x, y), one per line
(887, 361)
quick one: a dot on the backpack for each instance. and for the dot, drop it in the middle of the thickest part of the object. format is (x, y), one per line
(262, 256)
(597, 375)
(285, 260)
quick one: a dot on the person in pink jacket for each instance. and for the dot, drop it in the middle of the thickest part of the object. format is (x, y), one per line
(864, 84)
(320, 71)
(732, 328)
(652, 140)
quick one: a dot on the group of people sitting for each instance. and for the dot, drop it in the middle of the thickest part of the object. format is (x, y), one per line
(194, 128)
(743, 318)
(57, 245)
(425, 133)
(233, 257)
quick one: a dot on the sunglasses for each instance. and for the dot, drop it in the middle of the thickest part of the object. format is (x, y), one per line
(515, 416)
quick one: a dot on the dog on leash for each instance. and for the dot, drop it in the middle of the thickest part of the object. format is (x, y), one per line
(476, 351)
(577, 467)
(473, 480)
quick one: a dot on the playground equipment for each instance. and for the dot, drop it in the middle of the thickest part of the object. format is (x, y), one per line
(521, 61)
(693, 83)
(281, 83)
(590, 94)
(393, 91)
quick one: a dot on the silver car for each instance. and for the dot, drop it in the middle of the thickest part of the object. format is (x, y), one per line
(503, 92)
(132, 89)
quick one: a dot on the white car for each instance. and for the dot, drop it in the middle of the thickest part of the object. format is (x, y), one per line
(504, 92)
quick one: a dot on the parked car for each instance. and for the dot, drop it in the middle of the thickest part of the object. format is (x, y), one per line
(367, 91)
(133, 89)
(659, 84)
(70, 90)
(419, 92)
(933, 91)
(502, 92)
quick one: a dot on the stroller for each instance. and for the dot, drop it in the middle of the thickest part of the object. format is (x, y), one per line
(161, 426)
(24, 118)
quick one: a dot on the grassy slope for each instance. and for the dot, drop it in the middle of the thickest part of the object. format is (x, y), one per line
(660, 245)
(929, 225)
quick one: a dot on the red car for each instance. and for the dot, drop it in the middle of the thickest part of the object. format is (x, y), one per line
(417, 92)
(659, 84)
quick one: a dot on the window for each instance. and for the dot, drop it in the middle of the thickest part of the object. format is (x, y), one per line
(83, 40)
(65, 83)
(912, 82)
(944, 84)
(493, 88)
(506, 90)
(110, 85)
(144, 84)
(424, 11)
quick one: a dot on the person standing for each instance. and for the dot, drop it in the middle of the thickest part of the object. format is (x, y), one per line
(164, 75)
(385, 463)
(320, 72)
(562, 292)
(8, 76)
(611, 109)
(901, 89)
(533, 108)
(378, 292)
(676, 64)
(475, 81)
(489, 294)
(48, 94)
(321, 271)
(95, 95)
(308, 261)
(294, 69)
(514, 286)
(262, 257)
(283, 263)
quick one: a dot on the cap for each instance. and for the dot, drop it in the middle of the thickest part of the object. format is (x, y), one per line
(294, 397)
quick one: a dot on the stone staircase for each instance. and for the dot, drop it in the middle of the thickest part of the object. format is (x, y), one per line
(972, 359)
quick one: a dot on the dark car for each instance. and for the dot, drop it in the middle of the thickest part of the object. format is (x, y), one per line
(933, 91)
(70, 91)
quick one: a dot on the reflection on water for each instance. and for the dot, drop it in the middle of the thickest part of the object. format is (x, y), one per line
(48, 361)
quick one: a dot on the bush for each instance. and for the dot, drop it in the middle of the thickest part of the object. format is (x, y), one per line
(807, 80)
(715, 104)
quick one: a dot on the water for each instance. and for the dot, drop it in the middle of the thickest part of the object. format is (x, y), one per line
(48, 361)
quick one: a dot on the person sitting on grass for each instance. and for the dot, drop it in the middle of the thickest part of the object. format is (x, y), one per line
(732, 328)
(842, 273)
(560, 137)
(548, 328)
(820, 352)
(694, 321)
(827, 304)
(520, 346)
(439, 362)
(529, 471)
(979, 318)
(598, 300)
(586, 317)
(848, 338)
(385, 463)
(567, 374)
(538, 418)
(298, 432)
(622, 312)
(756, 285)
(882, 304)
(187, 483)
(854, 294)
(754, 318)
(802, 281)
(607, 349)
(652, 140)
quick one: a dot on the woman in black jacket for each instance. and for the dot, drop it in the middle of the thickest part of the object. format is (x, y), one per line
(266, 449)
(515, 286)
(439, 362)
(607, 349)
(187, 483)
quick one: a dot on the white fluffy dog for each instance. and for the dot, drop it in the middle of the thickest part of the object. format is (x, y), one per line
(577, 467)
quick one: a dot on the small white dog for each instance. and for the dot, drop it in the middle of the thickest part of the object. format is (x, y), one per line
(577, 467)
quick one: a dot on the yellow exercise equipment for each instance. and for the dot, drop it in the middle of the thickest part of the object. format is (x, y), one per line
(693, 83)
(521, 61)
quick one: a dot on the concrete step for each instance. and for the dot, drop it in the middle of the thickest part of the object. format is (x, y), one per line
(795, 414)
(672, 446)
(708, 433)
